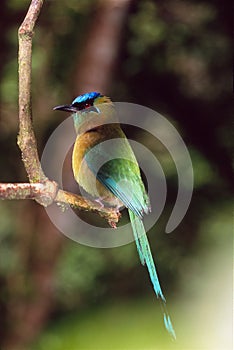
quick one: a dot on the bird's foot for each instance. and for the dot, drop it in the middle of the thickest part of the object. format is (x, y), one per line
(99, 201)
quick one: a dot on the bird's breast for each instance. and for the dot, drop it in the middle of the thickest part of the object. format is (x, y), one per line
(82, 172)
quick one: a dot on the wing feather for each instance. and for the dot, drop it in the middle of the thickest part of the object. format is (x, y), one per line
(120, 174)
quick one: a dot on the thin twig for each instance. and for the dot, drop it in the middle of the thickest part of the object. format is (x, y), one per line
(110, 214)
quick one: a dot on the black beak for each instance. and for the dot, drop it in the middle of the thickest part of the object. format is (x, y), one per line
(66, 108)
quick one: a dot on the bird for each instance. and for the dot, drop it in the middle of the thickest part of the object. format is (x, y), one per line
(117, 183)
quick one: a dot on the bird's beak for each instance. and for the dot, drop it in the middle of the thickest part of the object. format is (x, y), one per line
(66, 108)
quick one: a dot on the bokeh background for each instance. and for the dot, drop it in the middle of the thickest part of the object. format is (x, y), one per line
(173, 56)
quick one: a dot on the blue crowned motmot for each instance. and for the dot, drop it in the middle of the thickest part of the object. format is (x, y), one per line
(118, 181)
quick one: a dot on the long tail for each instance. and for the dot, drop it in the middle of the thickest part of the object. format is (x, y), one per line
(144, 251)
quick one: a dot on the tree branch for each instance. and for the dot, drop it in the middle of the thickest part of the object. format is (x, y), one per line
(26, 138)
(45, 191)
(40, 188)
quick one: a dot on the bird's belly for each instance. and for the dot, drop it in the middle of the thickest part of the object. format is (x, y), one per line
(85, 177)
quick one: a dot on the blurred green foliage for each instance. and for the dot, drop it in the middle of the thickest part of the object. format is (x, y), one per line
(77, 274)
(9, 255)
(198, 310)
(109, 326)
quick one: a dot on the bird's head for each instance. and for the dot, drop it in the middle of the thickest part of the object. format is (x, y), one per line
(86, 108)
(88, 102)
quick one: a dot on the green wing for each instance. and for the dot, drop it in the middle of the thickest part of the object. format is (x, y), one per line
(120, 174)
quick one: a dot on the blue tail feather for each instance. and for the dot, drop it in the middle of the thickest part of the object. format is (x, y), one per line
(146, 258)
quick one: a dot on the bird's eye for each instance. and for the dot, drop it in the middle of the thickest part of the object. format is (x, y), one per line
(82, 105)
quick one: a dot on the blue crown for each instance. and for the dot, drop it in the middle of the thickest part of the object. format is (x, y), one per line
(85, 97)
